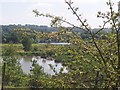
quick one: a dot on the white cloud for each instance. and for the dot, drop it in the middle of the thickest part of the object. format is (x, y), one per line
(31, 1)
(89, 9)
(92, 1)
(43, 5)
(3, 1)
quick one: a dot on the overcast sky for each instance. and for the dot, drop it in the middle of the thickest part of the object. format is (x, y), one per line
(20, 11)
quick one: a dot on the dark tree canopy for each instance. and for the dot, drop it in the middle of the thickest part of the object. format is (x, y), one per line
(27, 43)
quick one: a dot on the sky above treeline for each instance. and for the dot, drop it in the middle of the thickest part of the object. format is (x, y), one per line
(20, 11)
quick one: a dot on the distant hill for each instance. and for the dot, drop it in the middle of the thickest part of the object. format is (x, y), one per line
(9, 28)
(107, 30)
(9, 35)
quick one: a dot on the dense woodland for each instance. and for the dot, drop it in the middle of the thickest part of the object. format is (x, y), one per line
(9, 33)
(92, 59)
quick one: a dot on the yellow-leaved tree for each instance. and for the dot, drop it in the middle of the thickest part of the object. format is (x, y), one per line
(95, 61)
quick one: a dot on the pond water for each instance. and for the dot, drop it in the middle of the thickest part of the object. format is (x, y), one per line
(26, 64)
(57, 43)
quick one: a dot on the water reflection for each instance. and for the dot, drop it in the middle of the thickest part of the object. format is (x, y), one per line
(44, 63)
(25, 65)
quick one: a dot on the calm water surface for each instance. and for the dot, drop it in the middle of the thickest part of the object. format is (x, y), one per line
(27, 64)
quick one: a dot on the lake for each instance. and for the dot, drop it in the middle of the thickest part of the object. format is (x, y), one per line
(26, 64)
(57, 43)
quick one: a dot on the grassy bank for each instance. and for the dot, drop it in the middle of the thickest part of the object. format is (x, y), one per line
(58, 52)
